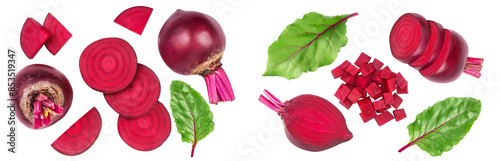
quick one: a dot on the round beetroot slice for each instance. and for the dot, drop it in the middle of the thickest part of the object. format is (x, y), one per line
(409, 37)
(139, 97)
(81, 135)
(108, 65)
(443, 55)
(147, 132)
(433, 48)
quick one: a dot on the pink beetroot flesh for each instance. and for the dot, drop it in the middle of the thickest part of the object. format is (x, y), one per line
(139, 97)
(134, 18)
(33, 36)
(193, 43)
(409, 37)
(311, 122)
(432, 50)
(342, 92)
(383, 118)
(399, 114)
(81, 135)
(362, 60)
(59, 34)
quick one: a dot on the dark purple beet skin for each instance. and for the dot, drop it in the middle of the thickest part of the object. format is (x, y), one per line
(45, 77)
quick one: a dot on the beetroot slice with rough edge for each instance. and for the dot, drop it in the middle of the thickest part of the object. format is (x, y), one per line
(108, 65)
(33, 36)
(409, 37)
(147, 132)
(139, 97)
(433, 48)
(134, 18)
(81, 135)
(443, 55)
(60, 35)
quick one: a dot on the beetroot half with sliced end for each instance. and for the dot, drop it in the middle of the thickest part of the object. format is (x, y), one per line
(43, 96)
(139, 97)
(409, 37)
(147, 132)
(108, 65)
(60, 35)
(33, 36)
(192, 43)
(432, 50)
(81, 135)
(134, 18)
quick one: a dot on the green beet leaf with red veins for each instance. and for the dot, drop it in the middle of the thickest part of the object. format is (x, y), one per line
(193, 118)
(441, 126)
(307, 44)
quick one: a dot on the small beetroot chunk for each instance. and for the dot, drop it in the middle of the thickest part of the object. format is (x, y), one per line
(377, 64)
(367, 115)
(365, 104)
(390, 85)
(134, 18)
(388, 98)
(346, 103)
(33, 36)
(60, 35)
(342, 92)
(379, 105)
(339, 71)
(397, 101)
(399, 114)
(373, 90)
(403, 90)
(351, 69)
(367, 69)
(400, 80)
(362, 60)
(354, 95)
(384, 118)
(386, 73)
(348, 78)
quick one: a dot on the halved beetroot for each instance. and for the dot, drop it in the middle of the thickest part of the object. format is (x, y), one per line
(108, 65)
(147, 132)
(139, 97)
(33, 36)
(81, 135)
(433, 48)
(409, 37)
(60, 35)
(134, 18)
(451, 63)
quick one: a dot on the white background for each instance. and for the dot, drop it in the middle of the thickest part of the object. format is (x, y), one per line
(246, 130)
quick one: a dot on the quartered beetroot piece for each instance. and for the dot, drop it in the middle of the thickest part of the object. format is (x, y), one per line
(60, 35)
(81, 135)
(139, 97)
(33, 36)
(108, 65)
(147, 132)
(134, 18)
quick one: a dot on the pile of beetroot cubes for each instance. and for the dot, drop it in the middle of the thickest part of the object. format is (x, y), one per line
(364, 81)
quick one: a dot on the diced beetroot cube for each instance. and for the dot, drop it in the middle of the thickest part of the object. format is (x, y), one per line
(363, 92)
(347, 78)
(350, 86)
(384, 118)
(337, 72)
(386, 73)
(342, 92)
(397, 101)
(377, 64)
(377, 96)
(373, 90)
(400, 80)
(376, 78)
(390, 85)
(379, 105)
(351, 69)
(344, 65)
(365, 104)
(362, 60)
(346, 103)
(403, 90)
(367, 69)
(354, 95)
(362, 82)
(367, 115)
(388, 98)
(399, 114)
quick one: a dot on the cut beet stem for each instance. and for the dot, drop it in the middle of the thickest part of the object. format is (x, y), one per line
(218, 87)
(473, 66)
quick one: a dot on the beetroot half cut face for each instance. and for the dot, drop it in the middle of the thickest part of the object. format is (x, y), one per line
(33, 36)
(139, 97)
(147, 132)
(43, 96)
(81, 135)
(108, 65)
(60, 35)
(409, 37)
(134, 18)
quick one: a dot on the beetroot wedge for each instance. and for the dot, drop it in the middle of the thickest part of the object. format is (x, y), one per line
(108, 65)
(147, 132)
(81, 135)
(60, 35)
(139, 97)
(134, 18)
(33, 36)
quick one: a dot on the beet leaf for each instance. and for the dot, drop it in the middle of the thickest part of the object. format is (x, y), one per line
(307, 44)
(191, 112)
(441, 126)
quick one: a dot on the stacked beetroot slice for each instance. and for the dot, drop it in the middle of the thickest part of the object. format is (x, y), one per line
(373, 88)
